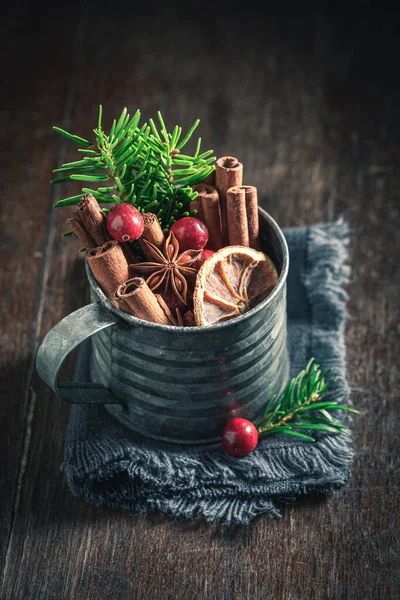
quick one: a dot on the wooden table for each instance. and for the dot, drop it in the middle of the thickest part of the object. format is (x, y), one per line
(311, 106)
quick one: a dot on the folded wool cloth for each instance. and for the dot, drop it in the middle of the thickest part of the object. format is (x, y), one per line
(109, 466)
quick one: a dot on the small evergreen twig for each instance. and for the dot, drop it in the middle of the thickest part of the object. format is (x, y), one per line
(301, 407)
(143, 166)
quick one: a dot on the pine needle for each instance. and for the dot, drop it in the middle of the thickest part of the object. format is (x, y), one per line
(144, 165)
(300, 407)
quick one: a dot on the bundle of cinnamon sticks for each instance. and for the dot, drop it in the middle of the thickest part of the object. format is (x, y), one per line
(110, 262)
(227, 207)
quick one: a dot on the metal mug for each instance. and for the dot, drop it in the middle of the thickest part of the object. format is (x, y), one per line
(177, 384)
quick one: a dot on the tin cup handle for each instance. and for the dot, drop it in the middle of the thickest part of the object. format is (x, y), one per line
(60, 341)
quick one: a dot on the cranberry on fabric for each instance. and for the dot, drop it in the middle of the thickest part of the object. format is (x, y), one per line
(239, 437)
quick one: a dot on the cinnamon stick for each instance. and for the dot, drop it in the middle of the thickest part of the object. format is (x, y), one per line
(130, 255)
(237, 216)
(188, 319)
(152, 232)
(210, 179)
(197, 205)
(212, 214)
(228, 173)
(141, 301)
(252, 215)
(81, 233)
(109, 266)
(92, 220)
(166, 309)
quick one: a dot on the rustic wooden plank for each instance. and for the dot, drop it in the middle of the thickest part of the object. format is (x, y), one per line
(33, 92)
(315, 153)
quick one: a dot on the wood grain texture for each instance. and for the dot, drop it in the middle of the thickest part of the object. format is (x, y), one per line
(28, 155)
(318, 132)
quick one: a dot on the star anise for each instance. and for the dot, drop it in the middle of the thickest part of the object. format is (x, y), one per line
(167, 267)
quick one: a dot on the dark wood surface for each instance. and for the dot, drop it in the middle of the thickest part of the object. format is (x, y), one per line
(311, 106)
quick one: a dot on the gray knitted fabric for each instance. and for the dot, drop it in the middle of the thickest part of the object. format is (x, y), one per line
(108, 466)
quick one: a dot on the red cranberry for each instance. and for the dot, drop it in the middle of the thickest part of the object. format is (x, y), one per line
(124, 223)
(239, 437)
(191, 233)
(173, 301)
(202, 258)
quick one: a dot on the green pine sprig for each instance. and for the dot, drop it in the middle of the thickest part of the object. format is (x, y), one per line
(143, 165)
(301, 407)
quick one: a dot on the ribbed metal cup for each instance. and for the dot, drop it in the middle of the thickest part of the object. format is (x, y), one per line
(181, 385)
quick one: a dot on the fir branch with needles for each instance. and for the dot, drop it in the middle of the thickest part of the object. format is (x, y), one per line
(143, 166)
(301, 407)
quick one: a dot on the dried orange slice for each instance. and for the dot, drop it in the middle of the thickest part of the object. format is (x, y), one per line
(231, 282)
